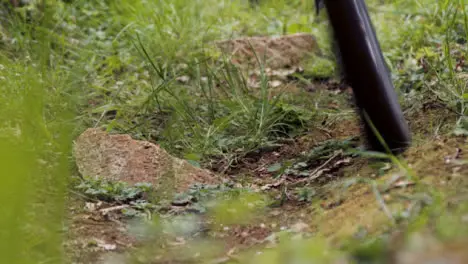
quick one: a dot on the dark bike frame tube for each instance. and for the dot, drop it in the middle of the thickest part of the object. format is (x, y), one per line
(365, 71)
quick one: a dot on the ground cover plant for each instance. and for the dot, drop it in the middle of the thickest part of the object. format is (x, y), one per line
(298, 186)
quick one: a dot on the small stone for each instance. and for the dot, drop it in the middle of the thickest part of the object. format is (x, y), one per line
(275, 83)
(108, 246)
(91, 207)
(300, 227)
(387, 197)
(183, 79)
(275, 212)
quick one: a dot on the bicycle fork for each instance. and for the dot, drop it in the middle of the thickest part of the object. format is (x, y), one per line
(364, 69)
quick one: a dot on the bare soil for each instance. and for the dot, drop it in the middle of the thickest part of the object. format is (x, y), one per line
(336, 212)
(335, 215)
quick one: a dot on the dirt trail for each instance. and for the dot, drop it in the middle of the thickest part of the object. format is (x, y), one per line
(336, 215)
(344, 202)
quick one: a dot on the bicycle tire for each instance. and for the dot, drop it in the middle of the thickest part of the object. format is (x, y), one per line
(365, 71)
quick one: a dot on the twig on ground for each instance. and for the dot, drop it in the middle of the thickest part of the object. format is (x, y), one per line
(318, 171)
(381, 202)
(87, 197)
(107, 210)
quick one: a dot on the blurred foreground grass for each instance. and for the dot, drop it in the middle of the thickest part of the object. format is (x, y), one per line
(36, 135)
(37, 122)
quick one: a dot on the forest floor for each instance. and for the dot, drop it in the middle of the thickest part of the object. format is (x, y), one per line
(298, 186)
(347, 207)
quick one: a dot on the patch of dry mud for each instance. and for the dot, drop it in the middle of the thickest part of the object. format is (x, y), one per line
(280, 52)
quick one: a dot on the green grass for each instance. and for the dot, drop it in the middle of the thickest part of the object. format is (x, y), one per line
(68, 66)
